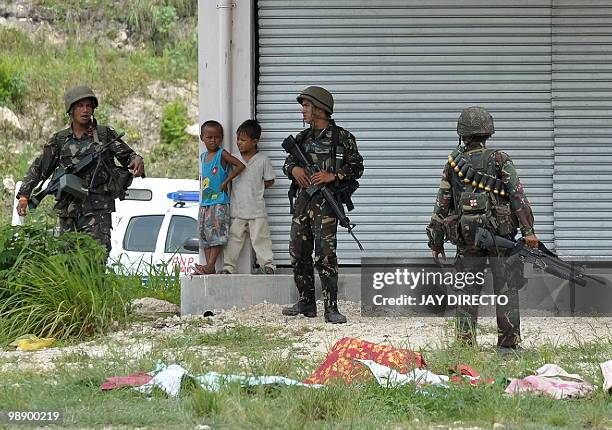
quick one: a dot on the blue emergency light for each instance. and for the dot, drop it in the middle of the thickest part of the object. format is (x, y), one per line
(184, 196)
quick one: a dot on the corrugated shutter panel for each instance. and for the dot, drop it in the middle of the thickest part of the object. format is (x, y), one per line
(401, 72)
(582, 102)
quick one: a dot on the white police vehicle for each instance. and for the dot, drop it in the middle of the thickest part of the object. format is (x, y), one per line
(152, 225)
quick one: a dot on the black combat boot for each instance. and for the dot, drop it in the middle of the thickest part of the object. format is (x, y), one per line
(330, 300)
(304, 306)
(332, 315)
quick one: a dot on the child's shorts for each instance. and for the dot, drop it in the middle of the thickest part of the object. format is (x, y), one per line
(214, 223)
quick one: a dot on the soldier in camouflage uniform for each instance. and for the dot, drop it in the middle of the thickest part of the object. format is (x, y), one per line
(481, 188)
(66, 148)
(313, 224)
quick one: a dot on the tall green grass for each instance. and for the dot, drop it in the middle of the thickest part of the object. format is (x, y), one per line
(56, 286)
(151, 280)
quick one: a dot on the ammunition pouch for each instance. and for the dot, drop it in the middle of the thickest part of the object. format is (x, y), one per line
(506, 224)
(474, 203)
(451, 229)
(435, 233)
(345, 190)
(469, 223)
(120, 180)
(476, 213)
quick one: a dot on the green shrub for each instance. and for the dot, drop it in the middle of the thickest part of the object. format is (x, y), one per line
(13, 87)
(174, 122)
(173, 136)
(156, 21)
(165, 19)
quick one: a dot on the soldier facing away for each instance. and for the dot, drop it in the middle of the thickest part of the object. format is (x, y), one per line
(313, 223)
(102, 180)
(481, 188)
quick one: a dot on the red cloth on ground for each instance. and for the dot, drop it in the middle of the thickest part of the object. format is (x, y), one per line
(461, 370)
(339, 363)
(134, 380)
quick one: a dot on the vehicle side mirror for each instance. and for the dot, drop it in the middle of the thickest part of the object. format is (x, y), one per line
(192, 244)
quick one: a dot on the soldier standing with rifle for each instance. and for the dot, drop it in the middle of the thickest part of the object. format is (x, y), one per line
(314, 224)
(99, 184)
(481, 188)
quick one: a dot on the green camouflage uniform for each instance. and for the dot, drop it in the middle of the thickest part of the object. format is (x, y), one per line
(313, 224)
(92, 215)
(514, 211)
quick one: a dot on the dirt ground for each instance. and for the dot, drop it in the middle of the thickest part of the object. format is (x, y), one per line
(314, 336)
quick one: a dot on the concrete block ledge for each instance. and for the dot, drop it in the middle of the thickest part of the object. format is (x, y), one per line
(216, 292)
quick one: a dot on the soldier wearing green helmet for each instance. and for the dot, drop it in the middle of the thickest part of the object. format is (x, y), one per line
(314, 226)
(104, 182)
(481, 188)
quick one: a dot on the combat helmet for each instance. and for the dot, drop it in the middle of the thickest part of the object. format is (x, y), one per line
(319, 97)
(77, 93)
(474, 121)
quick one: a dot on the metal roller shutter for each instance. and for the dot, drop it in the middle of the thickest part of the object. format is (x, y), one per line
(400, 72)
(582, 102)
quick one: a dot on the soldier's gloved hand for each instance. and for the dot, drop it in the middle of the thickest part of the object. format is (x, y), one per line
(323, 178)
(136, 166)
(436, 256)
(22, 206)
(532, 241)
(299, 174)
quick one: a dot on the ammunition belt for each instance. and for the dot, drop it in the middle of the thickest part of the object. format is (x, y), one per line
(475, 178)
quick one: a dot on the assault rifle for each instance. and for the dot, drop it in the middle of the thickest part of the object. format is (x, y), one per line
(291, 146)
(66, 180)
(541, 257)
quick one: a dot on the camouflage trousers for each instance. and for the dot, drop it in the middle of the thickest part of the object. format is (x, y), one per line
(96, 225)
(508, 315)
(313, 227)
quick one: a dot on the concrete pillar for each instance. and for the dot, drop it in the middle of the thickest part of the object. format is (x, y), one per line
(226, 76)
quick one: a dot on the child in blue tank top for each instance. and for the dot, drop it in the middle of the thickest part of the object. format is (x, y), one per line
(214, 216)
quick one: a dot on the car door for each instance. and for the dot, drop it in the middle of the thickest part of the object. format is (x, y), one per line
(180, 227)
(137, 240)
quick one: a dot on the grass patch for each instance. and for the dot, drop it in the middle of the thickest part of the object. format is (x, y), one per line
(49, 69)
(239, 338)
(55, 286)
(150, 280)
(336, 406)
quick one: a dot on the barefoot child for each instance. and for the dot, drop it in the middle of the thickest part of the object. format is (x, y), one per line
(214, 213)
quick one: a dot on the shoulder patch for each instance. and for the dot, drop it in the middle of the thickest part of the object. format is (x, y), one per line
(501, 157)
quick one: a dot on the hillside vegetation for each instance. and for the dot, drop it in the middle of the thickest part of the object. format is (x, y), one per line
(140, 57)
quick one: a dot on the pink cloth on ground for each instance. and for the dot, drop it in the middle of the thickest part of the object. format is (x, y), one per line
(552, 380)
(134, 380)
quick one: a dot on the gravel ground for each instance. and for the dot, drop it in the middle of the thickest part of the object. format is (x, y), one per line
(315, 336)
